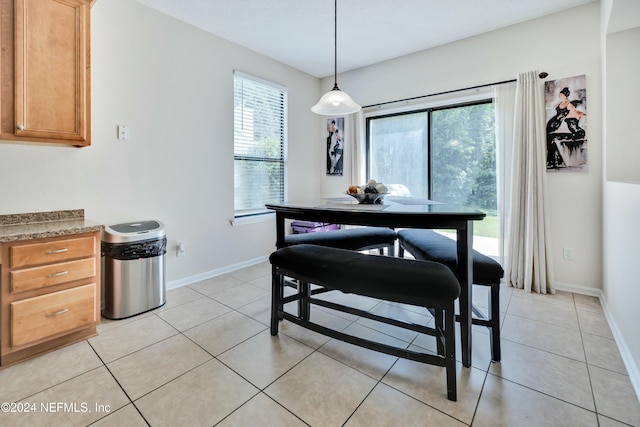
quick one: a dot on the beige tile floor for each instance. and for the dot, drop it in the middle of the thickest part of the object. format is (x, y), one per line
(206, 358)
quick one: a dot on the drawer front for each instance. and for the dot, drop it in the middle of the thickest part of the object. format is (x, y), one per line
(49, 275)
(49, 252)
(33, 319)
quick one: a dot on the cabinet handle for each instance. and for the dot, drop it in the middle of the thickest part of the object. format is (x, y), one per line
(20, 127)
(62, 273)
(57, 313)
(56, 251)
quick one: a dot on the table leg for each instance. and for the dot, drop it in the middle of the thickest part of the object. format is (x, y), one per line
(279, 230)
(465, 276)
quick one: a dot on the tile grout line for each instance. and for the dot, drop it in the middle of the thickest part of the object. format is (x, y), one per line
(119, 385)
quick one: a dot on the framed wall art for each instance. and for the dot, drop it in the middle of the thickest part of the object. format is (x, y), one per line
(335, 145)
(566, 115)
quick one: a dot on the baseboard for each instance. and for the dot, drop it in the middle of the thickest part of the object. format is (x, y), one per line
(627, 357)
(577, 289)
(213, 273)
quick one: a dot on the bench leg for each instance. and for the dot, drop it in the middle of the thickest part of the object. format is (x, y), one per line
(277, 294)
(494, 330)
(304, 306)
(438, 316)
(450, 353)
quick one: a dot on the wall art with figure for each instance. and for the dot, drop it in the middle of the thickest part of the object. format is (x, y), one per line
(566, 115)
(335, 145)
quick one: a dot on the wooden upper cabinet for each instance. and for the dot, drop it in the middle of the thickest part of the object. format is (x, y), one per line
(50, 62)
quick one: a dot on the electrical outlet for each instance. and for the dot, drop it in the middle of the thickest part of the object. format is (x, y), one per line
(181, 249)
(567, 253)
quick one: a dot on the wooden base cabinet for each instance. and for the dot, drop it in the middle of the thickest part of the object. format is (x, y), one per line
(50, 294)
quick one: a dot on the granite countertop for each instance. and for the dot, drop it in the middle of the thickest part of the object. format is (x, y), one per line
(39, 225)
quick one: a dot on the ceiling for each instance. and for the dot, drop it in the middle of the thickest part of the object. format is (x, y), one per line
(300, 33)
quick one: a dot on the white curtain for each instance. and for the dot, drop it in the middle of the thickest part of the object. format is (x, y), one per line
(527, 264)
(358, 148)
(504, 101)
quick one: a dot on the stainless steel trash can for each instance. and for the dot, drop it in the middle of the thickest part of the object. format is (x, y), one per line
(133, 268)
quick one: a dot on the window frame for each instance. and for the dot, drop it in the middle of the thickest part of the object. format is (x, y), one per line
(484, 98)
(245, 215)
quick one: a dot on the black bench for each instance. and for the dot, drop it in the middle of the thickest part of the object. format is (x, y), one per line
(420, 283)
(355, 239)
(431, 246)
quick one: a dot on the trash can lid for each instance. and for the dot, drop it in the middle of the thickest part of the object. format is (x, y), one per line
(133, 231)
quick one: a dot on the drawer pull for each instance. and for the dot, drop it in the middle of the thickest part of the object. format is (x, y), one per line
(56, 251)
(57, 313)
(62, 273)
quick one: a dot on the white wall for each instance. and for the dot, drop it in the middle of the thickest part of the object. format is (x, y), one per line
(173, 85)
(621, 227)
(622, 279)
(575, 198)
(623, 88)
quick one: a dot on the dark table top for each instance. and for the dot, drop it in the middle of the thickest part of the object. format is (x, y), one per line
(394, 211)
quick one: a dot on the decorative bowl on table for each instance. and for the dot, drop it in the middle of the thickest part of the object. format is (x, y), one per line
(370, 193)
(367, 198)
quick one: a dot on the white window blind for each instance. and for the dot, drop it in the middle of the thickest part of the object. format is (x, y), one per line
(260, 144)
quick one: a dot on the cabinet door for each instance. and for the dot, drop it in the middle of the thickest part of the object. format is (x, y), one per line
(52, 70)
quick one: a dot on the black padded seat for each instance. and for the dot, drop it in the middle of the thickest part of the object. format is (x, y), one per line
(354, 239)
(421, 283)
(432, 246)
(388, 278)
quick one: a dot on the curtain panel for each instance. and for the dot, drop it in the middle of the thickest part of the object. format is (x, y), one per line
(527, 263)
(504, 101)
(358, 148)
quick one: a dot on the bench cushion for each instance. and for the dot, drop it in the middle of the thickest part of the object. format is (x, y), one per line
(394, 279)
(432, 246)
(351, 238)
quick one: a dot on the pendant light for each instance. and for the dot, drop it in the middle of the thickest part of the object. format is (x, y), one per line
(335, 102)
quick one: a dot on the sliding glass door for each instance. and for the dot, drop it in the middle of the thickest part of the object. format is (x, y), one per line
(446, 154)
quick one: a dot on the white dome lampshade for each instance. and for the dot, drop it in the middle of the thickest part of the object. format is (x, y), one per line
(334, 103)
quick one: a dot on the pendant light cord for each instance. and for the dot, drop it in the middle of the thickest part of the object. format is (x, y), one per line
(335, 45)
(335, 102)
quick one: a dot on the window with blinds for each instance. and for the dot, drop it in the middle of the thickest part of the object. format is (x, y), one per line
(260, 144)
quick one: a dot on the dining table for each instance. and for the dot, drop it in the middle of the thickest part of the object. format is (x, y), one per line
(396, 212)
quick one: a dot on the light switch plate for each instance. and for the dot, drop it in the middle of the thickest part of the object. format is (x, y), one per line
(124, 133)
